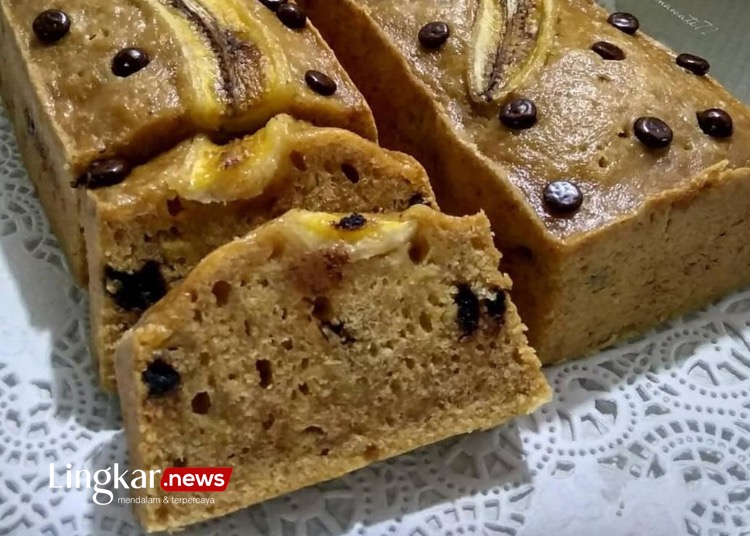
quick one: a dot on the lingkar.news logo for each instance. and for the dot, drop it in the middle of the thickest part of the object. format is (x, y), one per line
(172, 479)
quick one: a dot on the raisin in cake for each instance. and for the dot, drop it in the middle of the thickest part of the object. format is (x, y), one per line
(148, 232)
(321, 343)
(616, 172)
(95, 87)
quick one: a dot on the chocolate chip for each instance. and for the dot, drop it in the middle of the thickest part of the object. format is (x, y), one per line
(418, 199)
(468, 309)
(625, 22)
(653, 132)
(351, 223)
(320, 83)
(716, 123)
(562, 197)
(608, 51)
(160, 377)
(694, 64)
(497, 306)
(129, 61)
(136, 291)
(291, 16)
(518, 114)
(50, 26)
(434, 35)
(103, 173)
(273, 5)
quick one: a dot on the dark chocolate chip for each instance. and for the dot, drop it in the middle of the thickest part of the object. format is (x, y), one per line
(201, 403)
(50, 26)
(497, 306)
(292, 16)
(468, 309)
(129, 61)
(418, 199)
(625, 22)
(136, 291)
(694, 64)
(273, 5)
(562, 197)
(518, 114)
(716, 123)
(608, 51)
(351, 222)
(434, 35)
(320, 83)
(160, 377)
(103, 173)
(653, 132)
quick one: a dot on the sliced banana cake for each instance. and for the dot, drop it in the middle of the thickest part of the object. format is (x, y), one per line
(318, 344)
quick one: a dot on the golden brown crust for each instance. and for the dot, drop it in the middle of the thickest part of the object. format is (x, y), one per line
(584, 103)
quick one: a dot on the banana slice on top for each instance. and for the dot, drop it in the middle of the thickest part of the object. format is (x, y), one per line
(510, 40)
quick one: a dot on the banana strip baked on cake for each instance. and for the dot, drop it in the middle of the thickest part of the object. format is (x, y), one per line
(96, 87)
(146, 233)
(318, 344)
(615, 171)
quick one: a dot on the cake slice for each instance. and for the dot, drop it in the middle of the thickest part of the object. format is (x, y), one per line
(147, 233)
(615, 172)
(318, 344)
(95, 87)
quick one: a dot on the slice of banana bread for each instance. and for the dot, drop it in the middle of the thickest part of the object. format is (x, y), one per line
(147, 233)
(321, 343)
(95, 87)
(616, 173)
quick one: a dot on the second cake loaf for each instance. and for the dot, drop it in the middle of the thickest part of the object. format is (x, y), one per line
(616, 172)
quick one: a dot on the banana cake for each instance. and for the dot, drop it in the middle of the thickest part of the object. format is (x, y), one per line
(96, 87)
(146, 233)
(615, 171)
(318, 344)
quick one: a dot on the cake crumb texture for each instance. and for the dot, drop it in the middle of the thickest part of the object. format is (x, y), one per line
(307, 350)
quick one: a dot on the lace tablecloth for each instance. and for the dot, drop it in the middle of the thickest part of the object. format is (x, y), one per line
(650, 438)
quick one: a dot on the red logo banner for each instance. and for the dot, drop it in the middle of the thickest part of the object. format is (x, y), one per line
(193, 479)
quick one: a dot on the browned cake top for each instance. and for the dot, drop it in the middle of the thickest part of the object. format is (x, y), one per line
(590, 79)
(132, 78)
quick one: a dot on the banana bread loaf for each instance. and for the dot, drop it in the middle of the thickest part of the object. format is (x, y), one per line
(96, 87)
(616, 172)
(147, 233)
(318, 344)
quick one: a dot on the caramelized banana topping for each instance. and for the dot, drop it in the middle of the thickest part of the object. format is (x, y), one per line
(232, 53)
(510, 41)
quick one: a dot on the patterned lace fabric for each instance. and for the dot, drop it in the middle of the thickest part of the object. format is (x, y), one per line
(652, 437)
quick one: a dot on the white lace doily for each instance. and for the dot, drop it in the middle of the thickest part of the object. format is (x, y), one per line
(651, 438)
